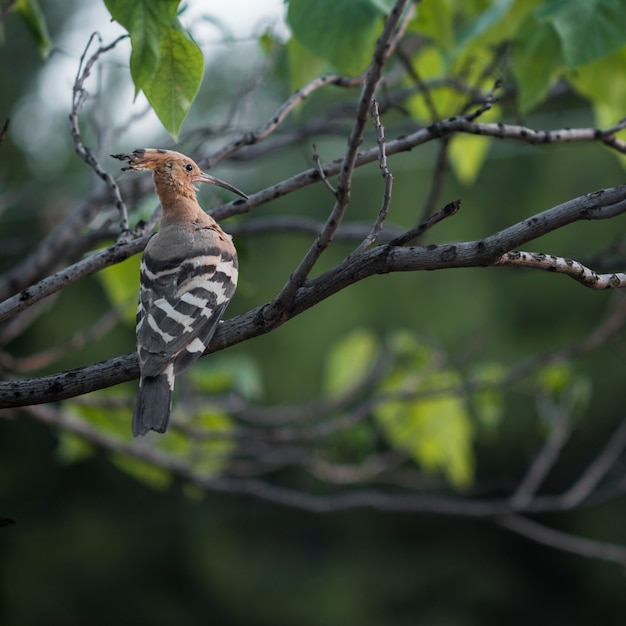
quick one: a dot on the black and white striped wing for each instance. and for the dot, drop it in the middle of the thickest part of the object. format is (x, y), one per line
(181, 302)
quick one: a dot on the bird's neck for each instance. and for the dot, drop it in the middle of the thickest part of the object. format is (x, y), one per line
(180, 205)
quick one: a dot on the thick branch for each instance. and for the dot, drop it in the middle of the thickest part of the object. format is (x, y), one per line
(69, 275)
(382, 259)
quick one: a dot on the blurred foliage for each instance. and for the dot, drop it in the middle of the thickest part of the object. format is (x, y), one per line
(101, 545)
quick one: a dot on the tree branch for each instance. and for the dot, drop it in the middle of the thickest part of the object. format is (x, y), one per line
(79, 96)
(382, 259)
(564, 541)
(349, 162)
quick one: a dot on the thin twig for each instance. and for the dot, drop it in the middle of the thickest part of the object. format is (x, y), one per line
(545, 460)
(3, 129)
(447, 211)
(77, 341)
(79, 97)
(387, 176)
(408, 142)
(596, 471)
(253, 137)
(320, 169)
(487, 104)
(605, 204)
(439, 176)
(394, 26)
(564, 541)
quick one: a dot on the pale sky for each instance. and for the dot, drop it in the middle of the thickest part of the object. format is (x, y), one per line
(35, 120)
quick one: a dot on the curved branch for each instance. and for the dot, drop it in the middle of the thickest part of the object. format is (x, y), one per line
(382, 259)
(569, 267)
(564, 541)
(27, 297)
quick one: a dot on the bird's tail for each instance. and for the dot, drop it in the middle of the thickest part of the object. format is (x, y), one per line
(154, 402)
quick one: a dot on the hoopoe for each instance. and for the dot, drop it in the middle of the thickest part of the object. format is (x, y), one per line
(188, 276)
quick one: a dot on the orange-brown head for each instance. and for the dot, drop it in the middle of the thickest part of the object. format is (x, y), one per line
(174, 173)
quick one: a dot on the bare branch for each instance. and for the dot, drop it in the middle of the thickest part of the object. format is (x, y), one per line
(349, 162)
(545, 460)
(320, 170)
(79, 96)
(251, 138)
(77, 341)
(115, 254)
(449, 210)
(383, 259)
(387, 176)
(3, 129)
(596, 471)
(564, 541)
(569, 267)
(348, 231)
(439, 176)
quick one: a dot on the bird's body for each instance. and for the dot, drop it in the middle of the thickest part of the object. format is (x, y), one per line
(188, 276)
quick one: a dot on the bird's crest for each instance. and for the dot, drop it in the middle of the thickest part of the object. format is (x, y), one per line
(147, 158)
(172, 169)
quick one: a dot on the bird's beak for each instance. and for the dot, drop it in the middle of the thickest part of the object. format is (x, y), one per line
(207, 178)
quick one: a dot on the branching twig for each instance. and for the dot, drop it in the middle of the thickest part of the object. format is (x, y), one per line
(381, 54)
(53, 354)
(253, 137)
(447, 211)
(320, 170)
(388, 177)
(79, 96)
(599, 205)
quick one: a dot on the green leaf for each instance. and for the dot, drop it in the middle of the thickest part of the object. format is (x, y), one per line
(210, 456)
(223, 373)
(537, 61)
(467, 155)
(72, 449)
(430, 61)
(484, 21)
(435, 430)
(147, 23)
(36, 23)
(603, 83)
(554, 378)
(172, 88)
(349, 362)
(145, 472)
(304, 66)
(488, 403)
(436, 21)
(350, 445)
(561, 383)
(343, 33)
(384, 6)
(121, 285)
(113, 422)
(588, 29)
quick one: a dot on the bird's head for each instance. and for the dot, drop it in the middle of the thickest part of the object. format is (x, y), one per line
(174, 173)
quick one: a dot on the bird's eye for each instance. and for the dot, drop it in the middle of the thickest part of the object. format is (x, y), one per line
(189, 167)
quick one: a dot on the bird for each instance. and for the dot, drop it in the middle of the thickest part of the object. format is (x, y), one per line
(188, 275)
